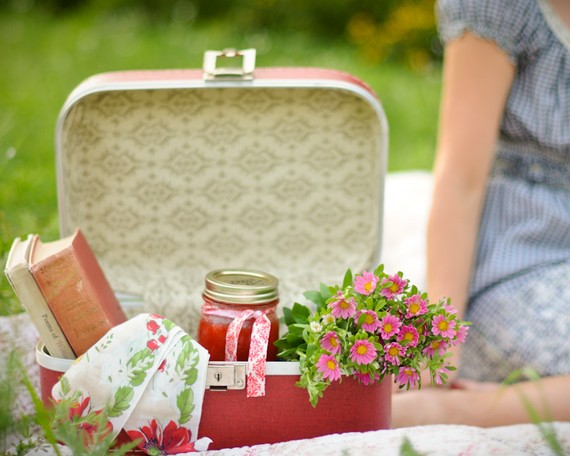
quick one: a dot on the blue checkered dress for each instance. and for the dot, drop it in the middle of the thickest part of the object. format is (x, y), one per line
(520, 288)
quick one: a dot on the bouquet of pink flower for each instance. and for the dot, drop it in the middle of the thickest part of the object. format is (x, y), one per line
(374, 325)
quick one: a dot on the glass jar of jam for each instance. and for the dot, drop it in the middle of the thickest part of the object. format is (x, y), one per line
(227, 294)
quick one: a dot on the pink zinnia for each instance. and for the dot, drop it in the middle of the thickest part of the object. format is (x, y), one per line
(389, 325)
(328, 366)
(366, 283)
(393, 352)
(408, 376)
(341, 308)
(409, 334)
(443, 327)
(362, 352)
(371, 322)
(438, 346)
(367, 379)
(331, 342)
(398, 285)
(416, 306)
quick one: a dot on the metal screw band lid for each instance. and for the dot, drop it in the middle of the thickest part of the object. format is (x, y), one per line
(241, 286)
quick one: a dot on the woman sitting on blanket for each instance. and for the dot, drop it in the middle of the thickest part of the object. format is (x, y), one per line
(499, 227)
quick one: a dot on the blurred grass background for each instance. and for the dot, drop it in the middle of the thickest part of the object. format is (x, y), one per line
(47, 47)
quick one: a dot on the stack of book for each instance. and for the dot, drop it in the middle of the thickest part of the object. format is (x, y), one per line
(64, 290)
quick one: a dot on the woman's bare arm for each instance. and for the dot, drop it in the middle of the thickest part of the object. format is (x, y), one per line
(476, 81)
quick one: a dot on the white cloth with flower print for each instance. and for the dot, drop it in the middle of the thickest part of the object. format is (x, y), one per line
(153, 377)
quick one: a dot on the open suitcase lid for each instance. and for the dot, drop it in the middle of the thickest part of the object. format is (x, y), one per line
(173, 173)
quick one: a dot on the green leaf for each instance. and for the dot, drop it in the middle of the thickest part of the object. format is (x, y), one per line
(300, 309)
(137, 377)
(185, 404)
(288, 315)
(407, 449)
(168, 324)
(191, 376)
(325, 292)
(315, 296)
(347, 280)
(123, 397)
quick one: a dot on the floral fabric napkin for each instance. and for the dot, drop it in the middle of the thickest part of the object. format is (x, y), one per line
(152, 375)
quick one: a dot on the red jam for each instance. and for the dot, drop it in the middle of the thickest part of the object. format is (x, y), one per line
(228, 293)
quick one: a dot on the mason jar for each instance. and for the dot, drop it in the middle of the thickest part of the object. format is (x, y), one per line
(227, 294)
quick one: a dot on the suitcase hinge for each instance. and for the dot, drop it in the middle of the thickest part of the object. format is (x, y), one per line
(243, 72)
(225, 377)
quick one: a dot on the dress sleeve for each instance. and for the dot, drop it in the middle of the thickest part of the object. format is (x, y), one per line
(503, 21)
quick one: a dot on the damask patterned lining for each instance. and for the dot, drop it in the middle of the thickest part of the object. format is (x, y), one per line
(169, 184)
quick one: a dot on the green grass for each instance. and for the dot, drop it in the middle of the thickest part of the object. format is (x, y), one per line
(42, 59)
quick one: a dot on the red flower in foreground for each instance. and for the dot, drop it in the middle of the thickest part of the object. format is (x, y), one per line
(157, 441)
(78, 411)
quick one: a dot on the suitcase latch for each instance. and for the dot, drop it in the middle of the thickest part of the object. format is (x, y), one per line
(225, 377)
(214, 71)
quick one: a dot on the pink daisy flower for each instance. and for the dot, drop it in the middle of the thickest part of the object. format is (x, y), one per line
(367, 379)
(328, 366)
(398, 285)
(409, 334)
(416, 306)
(441, 375)
(389, 325)
(331, 342)
(443, 327)
(393, 352)
(371, 322)
(362, 352)
(461, 334)
(366, 283)
(437, 346)
(408, 376)
(342, 308)
(450, 309)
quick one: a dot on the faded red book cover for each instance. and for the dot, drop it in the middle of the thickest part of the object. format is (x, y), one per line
(76, 289)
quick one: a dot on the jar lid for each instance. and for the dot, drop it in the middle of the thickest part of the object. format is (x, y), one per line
(241, 286)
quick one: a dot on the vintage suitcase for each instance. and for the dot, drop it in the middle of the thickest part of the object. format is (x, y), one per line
(171, 174)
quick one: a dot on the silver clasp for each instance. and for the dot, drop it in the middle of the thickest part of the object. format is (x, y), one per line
(225, 377)
(243, 72)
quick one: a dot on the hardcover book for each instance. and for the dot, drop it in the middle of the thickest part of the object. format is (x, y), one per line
(75, 288)
(33, 301)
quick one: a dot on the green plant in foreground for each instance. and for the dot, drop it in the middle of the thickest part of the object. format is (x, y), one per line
(544, 424)
(82, 433)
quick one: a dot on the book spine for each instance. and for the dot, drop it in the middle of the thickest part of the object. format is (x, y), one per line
(41, 315)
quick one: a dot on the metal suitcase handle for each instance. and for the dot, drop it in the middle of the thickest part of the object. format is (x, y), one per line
(242, 72)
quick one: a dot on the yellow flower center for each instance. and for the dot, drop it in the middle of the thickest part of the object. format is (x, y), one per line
(344, 305)
(388, 327)
(331, 364)
(368, 286)
(414, 308)
(442, 325)
(394, 287)
(361, 350)
(393, 351)
(435, 344)
(333, 342)
(409, 336)
(369, 319)
(409, 372)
